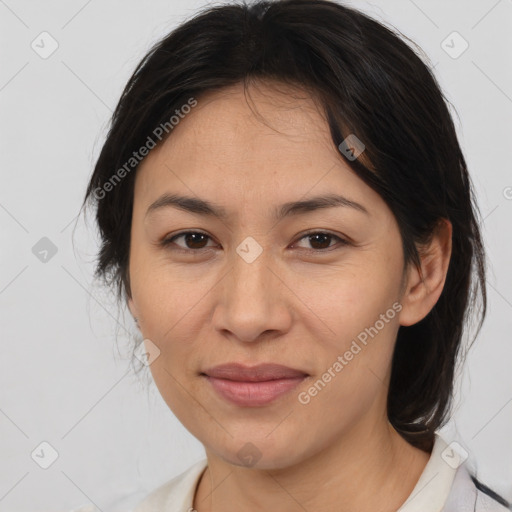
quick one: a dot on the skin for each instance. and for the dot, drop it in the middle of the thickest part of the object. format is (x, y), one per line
(291, 305)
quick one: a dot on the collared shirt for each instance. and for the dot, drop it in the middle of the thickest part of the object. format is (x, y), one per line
(445, 485)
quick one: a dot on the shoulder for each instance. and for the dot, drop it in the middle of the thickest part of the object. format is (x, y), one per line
(469, 495)
(176, 494)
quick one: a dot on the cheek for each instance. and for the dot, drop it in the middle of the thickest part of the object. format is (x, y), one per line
(360, 320)
(168, 296)
(350, 299)
(178, 393)
(353, 376)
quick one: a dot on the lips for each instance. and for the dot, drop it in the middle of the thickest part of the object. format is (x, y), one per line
(259, 373)
(253, 386)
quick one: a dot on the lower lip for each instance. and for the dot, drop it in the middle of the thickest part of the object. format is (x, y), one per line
(253, 394)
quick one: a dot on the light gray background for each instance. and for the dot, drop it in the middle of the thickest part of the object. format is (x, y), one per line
(62, 379)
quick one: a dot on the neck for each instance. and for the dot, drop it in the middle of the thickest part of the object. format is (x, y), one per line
(367, 469)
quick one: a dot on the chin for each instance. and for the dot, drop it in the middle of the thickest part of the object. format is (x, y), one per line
(261, 452)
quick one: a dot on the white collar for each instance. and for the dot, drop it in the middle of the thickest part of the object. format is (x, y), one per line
(433, 487)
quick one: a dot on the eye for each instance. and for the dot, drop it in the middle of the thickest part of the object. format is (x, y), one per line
(194, 240)
(321, 241)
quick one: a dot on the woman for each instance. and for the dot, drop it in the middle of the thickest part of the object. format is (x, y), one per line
(286, 210)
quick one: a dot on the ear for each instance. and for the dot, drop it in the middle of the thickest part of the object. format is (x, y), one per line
(423, 288)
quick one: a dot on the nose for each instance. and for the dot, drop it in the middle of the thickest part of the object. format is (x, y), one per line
(253, 300)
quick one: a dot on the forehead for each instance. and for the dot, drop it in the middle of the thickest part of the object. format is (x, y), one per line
(239, 125)
(262, 144)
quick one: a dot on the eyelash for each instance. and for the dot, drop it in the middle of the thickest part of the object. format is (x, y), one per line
(168, 241)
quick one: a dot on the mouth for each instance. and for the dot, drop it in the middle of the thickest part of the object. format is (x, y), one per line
(253, 386)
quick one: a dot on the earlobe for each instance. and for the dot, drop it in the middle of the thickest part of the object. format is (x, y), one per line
(425, 285)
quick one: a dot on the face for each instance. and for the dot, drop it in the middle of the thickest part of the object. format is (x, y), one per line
(316, 289)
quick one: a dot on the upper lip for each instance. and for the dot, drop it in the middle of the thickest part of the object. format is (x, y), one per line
(258, 373)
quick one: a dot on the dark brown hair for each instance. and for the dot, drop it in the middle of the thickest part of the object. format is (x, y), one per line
(370, 83)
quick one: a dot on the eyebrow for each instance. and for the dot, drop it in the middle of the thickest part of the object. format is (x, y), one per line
(202, 207)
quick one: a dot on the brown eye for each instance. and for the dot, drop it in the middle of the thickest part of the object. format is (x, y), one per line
(320, 241)
(193, 240)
